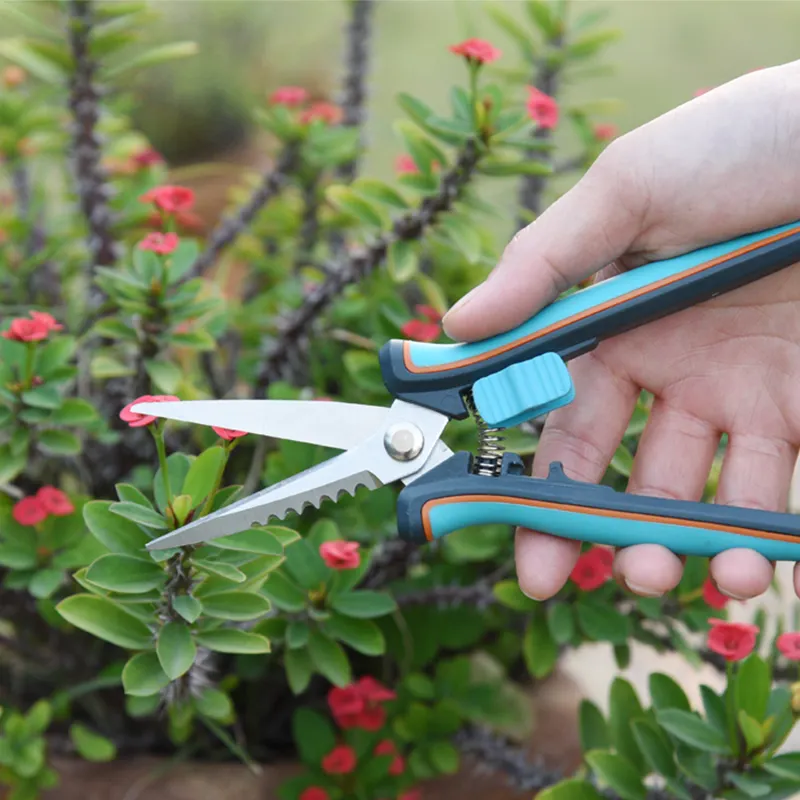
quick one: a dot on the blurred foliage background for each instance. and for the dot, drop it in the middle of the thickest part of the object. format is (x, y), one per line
(196, 110)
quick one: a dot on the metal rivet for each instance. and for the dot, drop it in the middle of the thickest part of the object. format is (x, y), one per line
(403, 441)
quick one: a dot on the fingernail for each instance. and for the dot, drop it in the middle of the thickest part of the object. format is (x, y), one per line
(732, 595)
(641, 590)
(532, 596)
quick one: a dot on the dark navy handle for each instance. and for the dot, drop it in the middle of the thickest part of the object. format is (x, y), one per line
(436, 376)
(450, 497)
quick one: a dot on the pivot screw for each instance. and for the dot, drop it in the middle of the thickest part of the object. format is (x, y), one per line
(403, 441)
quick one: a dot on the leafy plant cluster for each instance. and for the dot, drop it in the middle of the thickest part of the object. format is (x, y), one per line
(395, 663)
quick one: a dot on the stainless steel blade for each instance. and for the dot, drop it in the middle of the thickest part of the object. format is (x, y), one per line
(324, 423)
(368, 465)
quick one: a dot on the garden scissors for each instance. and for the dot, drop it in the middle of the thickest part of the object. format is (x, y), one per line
(502, 382)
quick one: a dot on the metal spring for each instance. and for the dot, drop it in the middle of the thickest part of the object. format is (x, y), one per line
(489, 457)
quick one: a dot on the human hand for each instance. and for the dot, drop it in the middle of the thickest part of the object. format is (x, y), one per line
(723, 165)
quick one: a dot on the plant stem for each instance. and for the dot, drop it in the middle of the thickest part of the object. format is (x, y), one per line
(731, 702)
(158, 435)
(30, 361)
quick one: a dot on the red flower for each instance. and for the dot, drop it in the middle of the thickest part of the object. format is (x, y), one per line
(593, 568)
(29, 511)
(733, 640)
(47, 319)
(172, 199)
(340, 554)
(147, 157)
(54, 501)
(228, 434)
(605, 132)
(387, 748)
(327, 112)
(405, 165)
(289, 96)
(340, 761)
(477, 50)
(161, 243)
(699, 92)
(29, 330)
(314, 793)
(789, 645)
(12, 76)
(713, 596)
(140, 420)
(542, 108)
(374, 692)
(358, 705)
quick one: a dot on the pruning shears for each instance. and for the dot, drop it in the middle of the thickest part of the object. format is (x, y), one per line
(501, 382)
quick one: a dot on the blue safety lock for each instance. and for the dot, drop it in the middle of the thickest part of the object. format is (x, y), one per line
(523, 391)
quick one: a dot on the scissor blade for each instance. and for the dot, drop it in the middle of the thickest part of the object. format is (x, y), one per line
(324, 423)
(367, 465)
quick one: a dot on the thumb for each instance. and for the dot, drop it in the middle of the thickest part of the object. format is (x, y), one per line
(582, 232)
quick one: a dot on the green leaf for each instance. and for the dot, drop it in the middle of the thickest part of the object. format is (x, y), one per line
(402, 260)
(561, 622)
(298, 669)
(126, 574)
(139, 514)
(510, 595)
(235, 605)
(656, 748)
(255, 540)
(328, 658)
(176, 649)
(214, 704)
(313, 734)
(229, 640)
(753, 683)
(618, 773)
(227, 571)
(751, 730)
(593, 729)
(305, 565)
(42, 397)
(296, 634)
(364, 604)
(362, 635)
(689, 728)
(714, 706)
(622, 462)
(188, 607)
(602, 623)
(59, 443)
(785, 765)
(284, 594)
(90, 745)
(154, 56)
(465, 236)
(444, 757)
(666, 693)
(181, 261)
(105, 620)
(104, 367)
(143, 676)
(570, 790)
(203, 475)
(18, 51)
(347, 201)
(372, 189)
(11, 464)
(542, 15)
(113, 328)
(130, 494)
(504, 168)
(45, 582)
(164, 375)
(178, 466)
(624, 708)
(539, 647)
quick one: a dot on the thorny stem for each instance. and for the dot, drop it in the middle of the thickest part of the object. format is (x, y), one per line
(545, 79)
(358, 265)
(354, 88)
(231, 227)
(93, 189)
(309, 225)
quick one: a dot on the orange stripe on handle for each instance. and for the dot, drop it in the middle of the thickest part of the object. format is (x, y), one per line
(412, 367)
(598, 512)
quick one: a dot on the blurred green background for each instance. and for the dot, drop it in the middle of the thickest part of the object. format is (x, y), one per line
(198, 109)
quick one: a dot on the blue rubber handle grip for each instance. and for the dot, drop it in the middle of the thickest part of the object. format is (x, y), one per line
(437, 375)
(450, 497)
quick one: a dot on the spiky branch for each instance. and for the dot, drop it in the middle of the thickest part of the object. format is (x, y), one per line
(545, 79)
(356, 266)
(232, 226)
(354, 85)
(92, 184)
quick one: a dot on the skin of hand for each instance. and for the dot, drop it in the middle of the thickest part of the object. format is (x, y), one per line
(720, 166)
